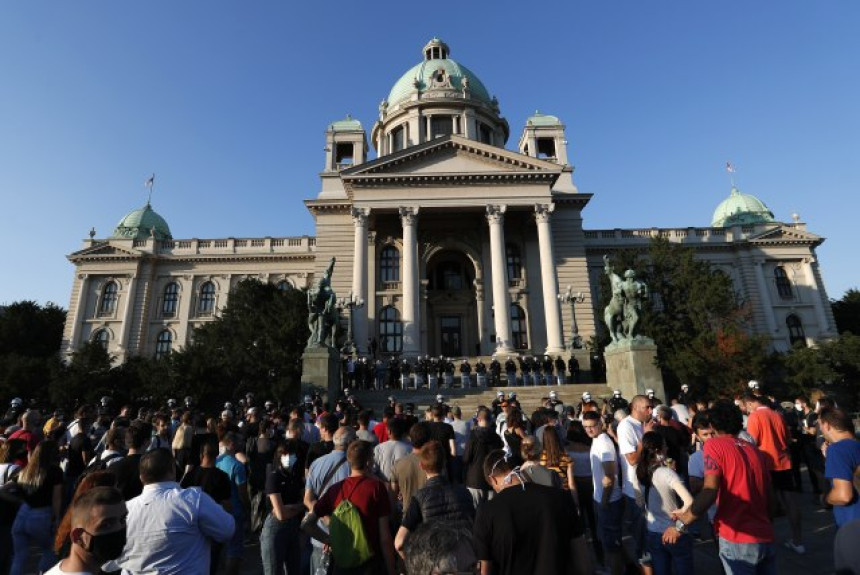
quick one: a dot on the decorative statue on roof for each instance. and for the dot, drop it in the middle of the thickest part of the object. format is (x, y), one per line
(322, 311)
(622, 314)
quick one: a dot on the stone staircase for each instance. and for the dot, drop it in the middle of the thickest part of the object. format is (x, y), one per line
(469, 399)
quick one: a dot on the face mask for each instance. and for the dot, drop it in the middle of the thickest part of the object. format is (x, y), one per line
(107, 546)
(222, 449)
(798, 407)
(287, 461)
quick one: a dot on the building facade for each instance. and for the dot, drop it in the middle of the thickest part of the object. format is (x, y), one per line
(450, 243)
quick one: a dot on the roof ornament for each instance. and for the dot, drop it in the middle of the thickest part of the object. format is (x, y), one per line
(149, 184)
(92, 232)
(730, 168)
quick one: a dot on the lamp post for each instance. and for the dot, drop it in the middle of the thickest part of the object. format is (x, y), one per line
(573, 298)
(351, 303)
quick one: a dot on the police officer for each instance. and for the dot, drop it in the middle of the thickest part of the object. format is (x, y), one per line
(684, 396)
(511, 371)
(547, 370)
(495, 372)
(559, 370)
(481, 372)
(617, 402)
(573, 368)
(465, 374)
(655, 401)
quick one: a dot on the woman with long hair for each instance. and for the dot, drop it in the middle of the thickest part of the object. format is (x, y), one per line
(579, 450)
(513, 435)
(41, 484)
(13, 458)
(279, 540)
(670, 546)
(531, 467)
(555, 458)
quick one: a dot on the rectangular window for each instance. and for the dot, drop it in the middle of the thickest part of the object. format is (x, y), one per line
(398, 139)
(441, 126)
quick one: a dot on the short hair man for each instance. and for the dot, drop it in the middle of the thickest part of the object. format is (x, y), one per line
(630, 431)
(97, 532)
(482, 440)
(441, 547)
(842, 460)
(370, 497)
(737, 472)
(169, 528)
(550, 541)
(240, 500)
(407, 477)
(608, 500)
(438, 500)
(387, 453)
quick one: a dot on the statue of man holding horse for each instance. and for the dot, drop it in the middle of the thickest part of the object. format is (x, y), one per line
(322, 310)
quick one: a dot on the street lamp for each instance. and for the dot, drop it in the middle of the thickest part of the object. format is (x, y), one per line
(573, 299)
(351, 303)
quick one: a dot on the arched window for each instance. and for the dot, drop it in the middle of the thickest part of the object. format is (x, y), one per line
(389, 264)
(163, 344)
(795, 329)
(109, 297)
(515, 262)
(390, 330)
(284, 286)
(206, 303)
(518, 327)
(449, 276)
(171, 300)
(102, 337)
(783, 284)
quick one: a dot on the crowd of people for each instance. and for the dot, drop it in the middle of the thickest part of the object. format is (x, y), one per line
(329, 489)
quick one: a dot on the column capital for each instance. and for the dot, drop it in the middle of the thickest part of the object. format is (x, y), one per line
(543, 211)
(359, 216)
(496, 213)
(409, 216)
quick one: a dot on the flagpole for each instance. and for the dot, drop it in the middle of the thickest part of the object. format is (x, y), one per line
(731, 170)
(150, 183)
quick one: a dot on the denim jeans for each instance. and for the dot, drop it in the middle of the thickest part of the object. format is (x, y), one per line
(635, 517)
(279, 546)
(676, 558)
(748, 558)
(32, 527)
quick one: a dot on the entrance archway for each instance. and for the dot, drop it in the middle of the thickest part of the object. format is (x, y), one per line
(452, 313)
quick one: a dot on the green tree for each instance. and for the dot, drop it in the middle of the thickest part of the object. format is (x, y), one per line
(30, 337)
(255, 345)
(696, 319)
(832, 366)
(846, 311)
(85, 378)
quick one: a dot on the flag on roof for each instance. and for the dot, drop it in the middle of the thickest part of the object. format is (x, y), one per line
(730, 168)
(150, 181)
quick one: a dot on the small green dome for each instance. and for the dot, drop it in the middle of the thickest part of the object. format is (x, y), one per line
(741, 209)
(349, 124)
(421, 77)
(538, 119)
(142, 223)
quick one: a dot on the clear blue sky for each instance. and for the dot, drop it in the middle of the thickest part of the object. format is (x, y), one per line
(227, 102)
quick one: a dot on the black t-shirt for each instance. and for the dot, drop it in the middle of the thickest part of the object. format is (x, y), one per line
(198, 440)
(214, 482)
(78, 445)
(317, 450)
(288, 483)
(43, 496)
(127, 471)
(443, 433)
(527, 529)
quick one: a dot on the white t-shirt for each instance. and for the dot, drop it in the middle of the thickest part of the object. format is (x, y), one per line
(602, 450)
(666, 489)
(55, 570)
(630, 434)
(682, 414)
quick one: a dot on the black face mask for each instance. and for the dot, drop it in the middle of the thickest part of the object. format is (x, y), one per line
(107, 546)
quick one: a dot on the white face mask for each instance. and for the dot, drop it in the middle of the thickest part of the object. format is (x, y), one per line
(798, 407)
(287, 461)
(222, 449)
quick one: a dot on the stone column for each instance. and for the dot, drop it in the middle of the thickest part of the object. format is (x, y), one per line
(501, 298)
(131, 294)
(359, 276)
(764, 292)
(411, 310)
(815, 292)
(80, 313)
(554, 337)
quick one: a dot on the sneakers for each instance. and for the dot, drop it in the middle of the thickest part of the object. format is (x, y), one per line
(796, 547)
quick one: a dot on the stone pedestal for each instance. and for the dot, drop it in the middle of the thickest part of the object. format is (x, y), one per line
(630, 367)
(321, 370)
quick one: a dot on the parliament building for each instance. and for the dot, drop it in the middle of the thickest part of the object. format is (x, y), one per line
(449, 242)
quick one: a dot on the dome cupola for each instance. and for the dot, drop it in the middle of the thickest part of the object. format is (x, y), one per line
(741, 210)
(142, 223)
(435, 98)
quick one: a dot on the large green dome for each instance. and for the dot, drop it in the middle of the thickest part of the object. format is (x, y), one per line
(421, 77)
(142, 223)
(741, 209)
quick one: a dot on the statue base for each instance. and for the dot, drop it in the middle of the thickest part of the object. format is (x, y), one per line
(321, 370)
(630, 367)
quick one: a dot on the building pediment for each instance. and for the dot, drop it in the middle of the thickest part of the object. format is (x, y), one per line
(451, 160)
(786, 234)
(101, 250)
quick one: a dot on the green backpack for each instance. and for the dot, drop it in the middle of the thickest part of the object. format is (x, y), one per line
(349, 545)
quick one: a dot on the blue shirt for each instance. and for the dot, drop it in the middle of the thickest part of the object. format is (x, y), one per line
(843, 457)
(238, 475)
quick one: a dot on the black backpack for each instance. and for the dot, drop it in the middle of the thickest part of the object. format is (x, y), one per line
(97, 464)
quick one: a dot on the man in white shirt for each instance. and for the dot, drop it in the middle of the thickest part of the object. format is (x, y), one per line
(169, 528)
(630, 432)
(608, 503)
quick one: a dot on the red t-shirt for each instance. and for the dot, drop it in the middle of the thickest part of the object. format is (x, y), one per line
(31, 438)
(380, 430)
(369, 495)
(771, 434)
(742, 515)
